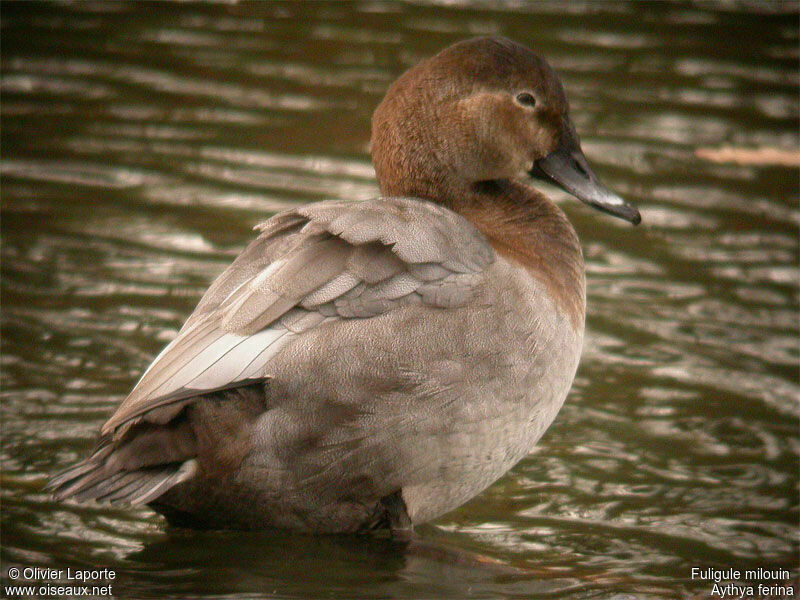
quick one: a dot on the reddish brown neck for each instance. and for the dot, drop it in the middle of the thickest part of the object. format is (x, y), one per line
(526, 228)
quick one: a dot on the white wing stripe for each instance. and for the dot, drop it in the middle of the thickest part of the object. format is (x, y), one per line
(317, 263)
(237, 359)
(195, 365)
(156, 359)
(188, 343)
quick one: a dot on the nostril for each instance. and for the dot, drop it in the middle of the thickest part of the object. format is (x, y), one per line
(581, 167)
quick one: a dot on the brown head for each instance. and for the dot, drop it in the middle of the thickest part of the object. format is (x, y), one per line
(483, 112)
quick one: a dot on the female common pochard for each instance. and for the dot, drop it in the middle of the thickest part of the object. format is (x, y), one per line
(370, 365)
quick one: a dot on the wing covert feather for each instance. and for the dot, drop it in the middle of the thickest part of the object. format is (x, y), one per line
(314, 264)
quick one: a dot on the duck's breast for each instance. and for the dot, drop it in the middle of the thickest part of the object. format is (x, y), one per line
(516, 369)
(437, 403)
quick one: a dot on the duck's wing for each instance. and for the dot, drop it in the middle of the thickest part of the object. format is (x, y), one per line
(310, 265)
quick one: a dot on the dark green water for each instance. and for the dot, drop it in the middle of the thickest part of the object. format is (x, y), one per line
(141, 143)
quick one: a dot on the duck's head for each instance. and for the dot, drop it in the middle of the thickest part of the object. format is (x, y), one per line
(483, 110)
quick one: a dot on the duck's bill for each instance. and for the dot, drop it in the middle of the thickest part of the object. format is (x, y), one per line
(567, 168)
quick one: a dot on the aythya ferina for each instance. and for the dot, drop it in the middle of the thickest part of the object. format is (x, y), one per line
(364, 365)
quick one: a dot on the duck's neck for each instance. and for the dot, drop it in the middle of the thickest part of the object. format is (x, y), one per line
(528, 229)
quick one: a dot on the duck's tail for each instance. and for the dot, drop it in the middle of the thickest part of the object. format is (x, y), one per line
(137, 468)
(100, 479)
(139, 462)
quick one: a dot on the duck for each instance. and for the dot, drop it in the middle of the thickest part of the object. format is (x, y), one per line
(372, 365)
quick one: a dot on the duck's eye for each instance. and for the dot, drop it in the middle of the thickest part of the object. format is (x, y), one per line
(526, 99)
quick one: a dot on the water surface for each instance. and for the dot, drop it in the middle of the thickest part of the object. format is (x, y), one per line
(142, 142)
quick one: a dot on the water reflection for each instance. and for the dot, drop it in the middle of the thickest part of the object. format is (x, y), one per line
(141, 146)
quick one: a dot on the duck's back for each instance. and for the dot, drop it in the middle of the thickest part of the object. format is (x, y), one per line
(354, 353)
(377, 364)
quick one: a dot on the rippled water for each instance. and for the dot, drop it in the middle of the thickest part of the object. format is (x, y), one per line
(141, 143)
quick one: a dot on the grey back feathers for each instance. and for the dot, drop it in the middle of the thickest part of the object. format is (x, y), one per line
(359, 352)
(313, 264)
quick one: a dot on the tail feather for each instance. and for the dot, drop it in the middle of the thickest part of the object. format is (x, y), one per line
(94, 489)
(96, 479)
(138, 463)
(124, 490)
(162, 482)
(60, 484)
